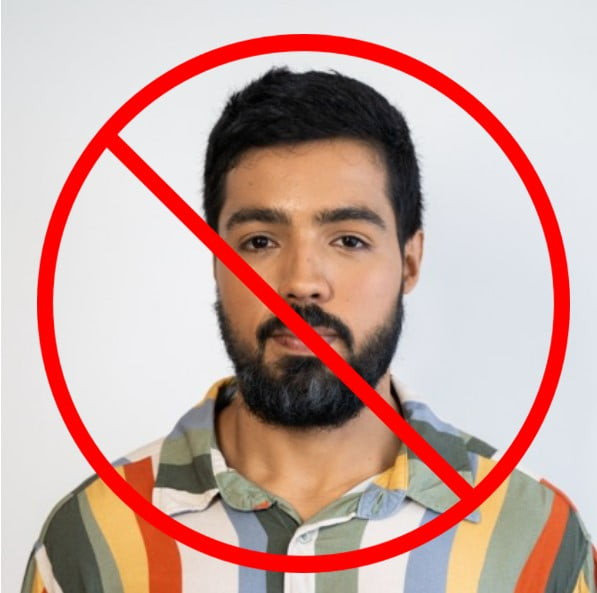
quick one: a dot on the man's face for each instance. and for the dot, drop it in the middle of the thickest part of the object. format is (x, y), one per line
(315, 221)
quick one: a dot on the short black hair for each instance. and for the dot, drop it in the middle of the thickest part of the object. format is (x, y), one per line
(283, 108)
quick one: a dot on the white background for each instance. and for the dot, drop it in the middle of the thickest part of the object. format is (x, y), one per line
(134, 291)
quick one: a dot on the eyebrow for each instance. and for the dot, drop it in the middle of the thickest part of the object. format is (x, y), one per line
(350, 213)
(269, 215)
(327, 216)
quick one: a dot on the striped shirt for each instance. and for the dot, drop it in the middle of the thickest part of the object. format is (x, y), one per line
(525, 538)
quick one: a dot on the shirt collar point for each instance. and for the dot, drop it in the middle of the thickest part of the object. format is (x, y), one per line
(474, 517)
(378, 502)
(173, 501)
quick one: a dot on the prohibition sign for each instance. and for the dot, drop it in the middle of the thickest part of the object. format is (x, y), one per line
(108, 139)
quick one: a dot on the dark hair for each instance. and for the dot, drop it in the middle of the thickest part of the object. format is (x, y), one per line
(284, 107)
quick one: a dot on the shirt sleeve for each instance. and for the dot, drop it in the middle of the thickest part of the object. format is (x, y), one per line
(587, 577)
(33, 581)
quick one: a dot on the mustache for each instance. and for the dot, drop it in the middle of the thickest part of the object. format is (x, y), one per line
(315, 316)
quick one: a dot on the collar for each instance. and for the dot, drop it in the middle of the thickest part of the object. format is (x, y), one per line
(192, 470)
(411, 478)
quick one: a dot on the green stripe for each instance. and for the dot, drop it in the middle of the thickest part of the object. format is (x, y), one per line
(181, 449)
(279, 528)
(526, 508)
(570, 558)
(107, 566)
(196, 477)
(62, 502)
(29, 574)
(242, 494)
(480, 447)
(339, 538)
(589, 567)
(451, 446)
(344, 506)
(70, 552)
(427, 489)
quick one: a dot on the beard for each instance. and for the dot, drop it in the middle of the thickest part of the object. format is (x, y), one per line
(300, 391)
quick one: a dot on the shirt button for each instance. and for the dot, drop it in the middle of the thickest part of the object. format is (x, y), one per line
(306, 537)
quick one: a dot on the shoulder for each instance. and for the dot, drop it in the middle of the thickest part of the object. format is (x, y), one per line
(86, 531)
(526, 536)
(529, 501)
(535, 527)
(137, 468)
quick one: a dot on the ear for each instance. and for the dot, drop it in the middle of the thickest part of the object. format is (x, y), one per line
(413, 255)
(216, 271)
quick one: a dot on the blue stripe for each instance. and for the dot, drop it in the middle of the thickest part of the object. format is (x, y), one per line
(427, 567)
(199, 417)
(252, 536)
(379, 503)
(418, 411)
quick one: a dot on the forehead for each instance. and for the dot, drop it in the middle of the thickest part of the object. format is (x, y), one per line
(305, 178)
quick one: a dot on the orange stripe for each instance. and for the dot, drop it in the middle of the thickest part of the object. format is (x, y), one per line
(558, 491)
(37, 585)
(573, 507)
(163, 558)
(535, 574)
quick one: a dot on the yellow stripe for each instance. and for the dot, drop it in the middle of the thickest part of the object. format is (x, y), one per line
(581, 584)
(120, 528)
(471, 540)
(212, 392)
(395, 477)
(37, 586)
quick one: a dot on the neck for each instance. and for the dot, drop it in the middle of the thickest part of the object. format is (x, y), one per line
(309, 468)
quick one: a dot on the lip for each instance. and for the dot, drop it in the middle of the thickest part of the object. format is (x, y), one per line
(288, 340)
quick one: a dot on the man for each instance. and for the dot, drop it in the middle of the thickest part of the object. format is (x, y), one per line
(312, 178)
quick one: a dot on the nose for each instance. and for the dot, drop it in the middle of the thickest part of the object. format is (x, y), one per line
(303, 279)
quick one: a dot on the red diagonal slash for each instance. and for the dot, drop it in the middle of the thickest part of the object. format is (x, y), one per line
(287, 315)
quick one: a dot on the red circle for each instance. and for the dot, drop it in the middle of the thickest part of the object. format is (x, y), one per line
(526, 172)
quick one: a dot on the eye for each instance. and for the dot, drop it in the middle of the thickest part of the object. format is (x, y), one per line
(256, 243)
(352, 242)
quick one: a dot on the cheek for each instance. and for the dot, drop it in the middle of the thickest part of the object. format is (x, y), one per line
(369, 299)
(371, 284)
(242, 307)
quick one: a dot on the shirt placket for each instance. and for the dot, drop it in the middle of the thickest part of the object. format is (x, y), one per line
(303, 543)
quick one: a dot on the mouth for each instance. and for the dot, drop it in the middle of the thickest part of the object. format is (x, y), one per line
(286, 339)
